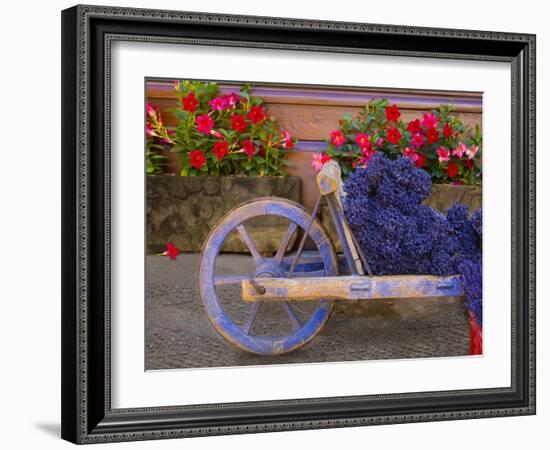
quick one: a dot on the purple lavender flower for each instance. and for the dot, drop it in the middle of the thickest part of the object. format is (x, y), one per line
(400, 235)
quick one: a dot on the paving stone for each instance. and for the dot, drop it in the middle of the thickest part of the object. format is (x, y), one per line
(179, 334)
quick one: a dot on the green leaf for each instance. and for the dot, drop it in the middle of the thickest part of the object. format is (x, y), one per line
(287, 163)
(176, 149)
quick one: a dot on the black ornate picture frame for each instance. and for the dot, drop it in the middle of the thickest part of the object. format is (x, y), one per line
(87, 35)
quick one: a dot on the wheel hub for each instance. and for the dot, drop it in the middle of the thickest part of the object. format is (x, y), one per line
(268, 269)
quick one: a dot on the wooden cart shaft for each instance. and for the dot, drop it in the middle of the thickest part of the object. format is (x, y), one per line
(350, 288)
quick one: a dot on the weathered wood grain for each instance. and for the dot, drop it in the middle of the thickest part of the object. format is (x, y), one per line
(420, 99)
(315, 122)
(353, 288)
(312, 122)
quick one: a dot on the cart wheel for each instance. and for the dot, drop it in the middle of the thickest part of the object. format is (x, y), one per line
(262, 327)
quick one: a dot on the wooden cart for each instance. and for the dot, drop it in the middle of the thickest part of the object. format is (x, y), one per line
(304, 289)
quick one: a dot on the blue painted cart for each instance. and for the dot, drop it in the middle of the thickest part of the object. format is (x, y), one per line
(299, 289)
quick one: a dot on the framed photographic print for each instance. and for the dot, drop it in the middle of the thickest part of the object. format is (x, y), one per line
(282, 224)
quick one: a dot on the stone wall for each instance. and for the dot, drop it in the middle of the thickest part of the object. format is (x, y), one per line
(183, 210)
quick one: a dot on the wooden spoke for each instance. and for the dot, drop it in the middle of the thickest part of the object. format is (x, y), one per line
(284, 244)
(294, 319)
(220, 280)
(249, 243)
(247, 327)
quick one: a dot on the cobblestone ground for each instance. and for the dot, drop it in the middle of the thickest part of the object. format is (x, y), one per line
(179, 334)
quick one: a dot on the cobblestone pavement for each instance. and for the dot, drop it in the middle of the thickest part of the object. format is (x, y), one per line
(179, 334)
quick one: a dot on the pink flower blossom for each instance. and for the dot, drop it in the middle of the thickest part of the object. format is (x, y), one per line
(151, 110)
(319, 160)
(232, 100)
(460, 150)
(410, 153)
(367, 151)
(337, 138)
(429, 120)
(417, 140)
(443, 154)
(204, 124)
(216, 134)
(379, 142)
(471, 152)
(218, 103)
(149, 130)
(288, 140)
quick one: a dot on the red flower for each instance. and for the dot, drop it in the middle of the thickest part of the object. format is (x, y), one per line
(204, 124)
(469, 164)
(432, 135)
(189, 103)
(414, 126)
(452, 170)
(363, 141)
(476, 337)
(421, 160)
(172, 251)
(256, 114)
(393, 136)
(337, 138)
(392, 113)
(238, 123)
(196, 158)
(248, 148)
(220, 149)
(447, 130)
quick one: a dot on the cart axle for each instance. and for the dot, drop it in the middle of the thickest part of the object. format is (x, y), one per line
(350, 288)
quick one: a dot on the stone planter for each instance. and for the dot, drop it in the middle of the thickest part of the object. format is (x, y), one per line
(182, 210)
(443, 196)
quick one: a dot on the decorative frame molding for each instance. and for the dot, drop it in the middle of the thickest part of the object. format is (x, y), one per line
(87, 34)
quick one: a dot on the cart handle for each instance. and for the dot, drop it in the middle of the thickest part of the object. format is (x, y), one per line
(329, 178)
